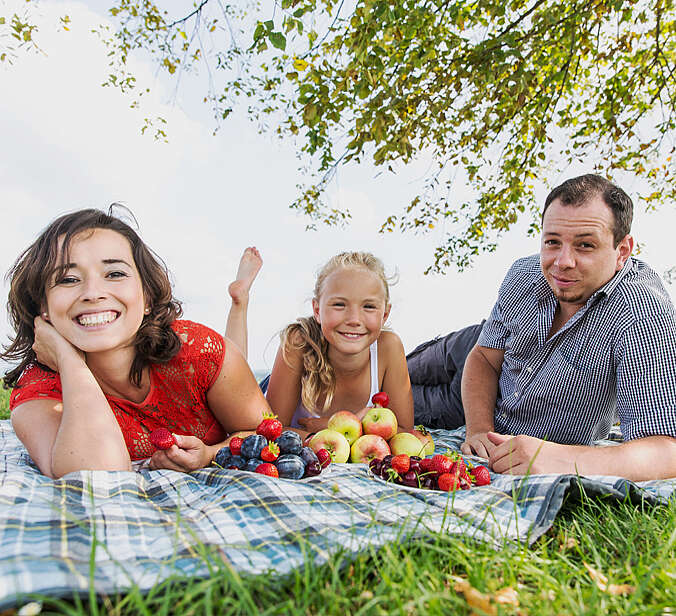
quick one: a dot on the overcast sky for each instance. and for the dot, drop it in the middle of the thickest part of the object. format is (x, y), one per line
(200, 199)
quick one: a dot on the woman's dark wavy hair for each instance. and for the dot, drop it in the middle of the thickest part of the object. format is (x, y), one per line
(155, 340)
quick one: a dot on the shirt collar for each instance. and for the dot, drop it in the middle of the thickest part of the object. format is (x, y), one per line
(610, 286)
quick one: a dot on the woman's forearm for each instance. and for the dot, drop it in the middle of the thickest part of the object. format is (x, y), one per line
(89, 436)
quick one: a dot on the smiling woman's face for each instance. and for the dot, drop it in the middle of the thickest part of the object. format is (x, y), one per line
(97, 304)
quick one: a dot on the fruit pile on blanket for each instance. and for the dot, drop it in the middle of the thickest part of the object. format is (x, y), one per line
(446, 472)
(273, 452)
(403, 458)
(375, 436)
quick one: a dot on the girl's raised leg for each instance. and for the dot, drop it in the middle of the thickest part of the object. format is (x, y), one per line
(236, 328)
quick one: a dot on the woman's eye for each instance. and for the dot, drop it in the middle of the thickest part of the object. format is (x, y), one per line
(117, 274)
(66, 280)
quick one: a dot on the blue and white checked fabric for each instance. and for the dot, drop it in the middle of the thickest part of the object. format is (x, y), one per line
(615, 358)
(137, 529)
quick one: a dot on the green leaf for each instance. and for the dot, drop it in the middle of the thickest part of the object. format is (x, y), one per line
(278, 40)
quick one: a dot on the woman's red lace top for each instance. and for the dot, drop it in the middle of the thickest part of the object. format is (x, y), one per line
(178, 392)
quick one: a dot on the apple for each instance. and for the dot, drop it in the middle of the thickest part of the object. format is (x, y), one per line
(426, 439)
(334, 442)
(407, 443)
(347, 424)
(380, 421)
(369, 447)
(381, 399)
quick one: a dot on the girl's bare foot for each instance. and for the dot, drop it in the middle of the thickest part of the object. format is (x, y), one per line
(249, 265)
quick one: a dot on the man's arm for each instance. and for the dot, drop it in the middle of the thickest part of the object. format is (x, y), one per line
(652, 457)
(479, 394)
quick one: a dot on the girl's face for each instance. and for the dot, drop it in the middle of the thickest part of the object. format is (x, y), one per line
(98, 303)
(351, 309)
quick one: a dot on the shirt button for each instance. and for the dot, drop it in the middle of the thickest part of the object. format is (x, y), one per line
(516, 394)
(529, 369)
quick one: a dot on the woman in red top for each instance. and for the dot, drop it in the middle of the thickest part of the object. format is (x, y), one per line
(103, 360)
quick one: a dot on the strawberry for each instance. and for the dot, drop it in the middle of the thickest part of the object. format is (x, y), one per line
(162, 438)
(381, 399)
(442, 463)
(236, 445)
(458, 468)
(267, 469)
(448, 482)
(481, 475)
(270, 452)
(426, 465)
(324, 457)
(270, 427)
(465, 481)
(401, 463)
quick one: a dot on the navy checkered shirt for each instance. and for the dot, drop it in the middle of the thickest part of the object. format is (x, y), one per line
(615, 358)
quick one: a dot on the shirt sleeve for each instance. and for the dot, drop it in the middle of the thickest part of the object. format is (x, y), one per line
(209, 346)
(646, 378)
(35, 383)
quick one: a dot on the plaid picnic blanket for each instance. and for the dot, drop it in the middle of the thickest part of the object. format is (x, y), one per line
(138, 528)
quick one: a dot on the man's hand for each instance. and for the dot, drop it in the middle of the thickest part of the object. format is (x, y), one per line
(652, 457)
(522, 454)
(478, 444)
(189, 454)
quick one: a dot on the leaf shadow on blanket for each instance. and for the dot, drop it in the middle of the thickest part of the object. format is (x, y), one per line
(106, 532)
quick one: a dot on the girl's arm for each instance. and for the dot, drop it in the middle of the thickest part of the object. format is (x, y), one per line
(285, 385)
(396, 382)
(79, 433)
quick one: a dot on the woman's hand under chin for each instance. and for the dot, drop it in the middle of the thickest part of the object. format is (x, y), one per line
(50, 347)
(189, 454)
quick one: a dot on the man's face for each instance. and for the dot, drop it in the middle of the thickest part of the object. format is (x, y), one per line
(577, 255)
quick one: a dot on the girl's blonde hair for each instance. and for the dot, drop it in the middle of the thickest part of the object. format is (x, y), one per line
(305, 335)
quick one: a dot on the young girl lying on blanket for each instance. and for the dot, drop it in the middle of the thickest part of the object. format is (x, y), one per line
(340, 356)
(104, 359)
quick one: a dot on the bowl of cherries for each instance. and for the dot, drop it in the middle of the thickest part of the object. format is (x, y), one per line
(445, 472)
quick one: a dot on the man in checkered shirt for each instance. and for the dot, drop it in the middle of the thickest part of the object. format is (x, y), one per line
(580, 336)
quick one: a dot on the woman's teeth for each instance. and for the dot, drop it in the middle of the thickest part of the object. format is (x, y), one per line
(96, 319)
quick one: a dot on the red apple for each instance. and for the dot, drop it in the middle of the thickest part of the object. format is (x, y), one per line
(347, 424)
(381, 399)
(426, 439)
(380, 421)
(334, 442)
(407, 443)
(368, 447)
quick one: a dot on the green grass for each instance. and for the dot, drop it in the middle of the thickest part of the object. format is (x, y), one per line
(4, 403)
(630, 544)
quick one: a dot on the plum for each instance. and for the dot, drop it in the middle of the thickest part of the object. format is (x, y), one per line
(289, 442)
(290, 466)
(252, 446)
